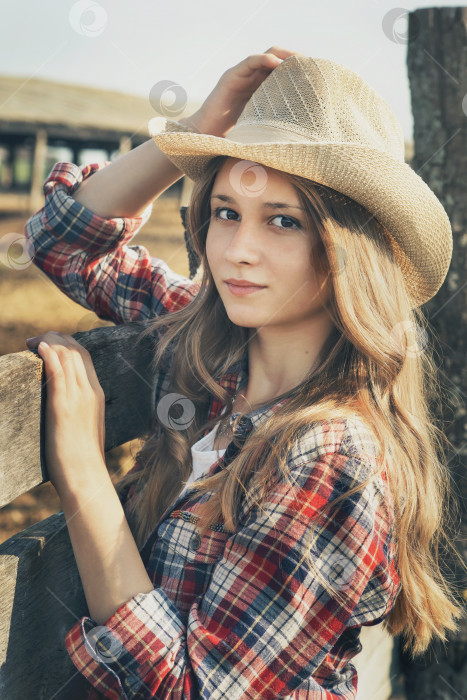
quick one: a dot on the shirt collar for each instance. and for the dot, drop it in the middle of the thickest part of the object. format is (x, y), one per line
(234, 379)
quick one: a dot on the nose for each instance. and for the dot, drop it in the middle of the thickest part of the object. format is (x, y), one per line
(242, 245)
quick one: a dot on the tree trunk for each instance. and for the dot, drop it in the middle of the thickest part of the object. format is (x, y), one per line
(437, 69)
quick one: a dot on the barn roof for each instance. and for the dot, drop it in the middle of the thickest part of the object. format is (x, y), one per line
(48, 102)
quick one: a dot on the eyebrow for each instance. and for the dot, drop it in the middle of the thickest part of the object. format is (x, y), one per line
(268, 205)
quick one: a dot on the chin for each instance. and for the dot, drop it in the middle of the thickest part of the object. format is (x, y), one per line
(246, 320)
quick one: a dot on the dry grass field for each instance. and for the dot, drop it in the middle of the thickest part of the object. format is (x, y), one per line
(32, 304)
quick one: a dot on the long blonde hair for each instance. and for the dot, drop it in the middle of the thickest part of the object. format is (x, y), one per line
(367, 366)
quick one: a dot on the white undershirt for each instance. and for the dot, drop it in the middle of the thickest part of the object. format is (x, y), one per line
(203, 456)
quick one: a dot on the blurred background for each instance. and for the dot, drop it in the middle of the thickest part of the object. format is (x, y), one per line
(79, 82)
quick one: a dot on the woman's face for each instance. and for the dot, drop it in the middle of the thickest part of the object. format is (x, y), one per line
(252, 240)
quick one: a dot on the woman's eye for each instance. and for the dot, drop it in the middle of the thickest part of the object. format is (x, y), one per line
(291, 223)
(218, 210)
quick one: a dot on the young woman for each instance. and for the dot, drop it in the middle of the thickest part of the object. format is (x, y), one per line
(294, 486)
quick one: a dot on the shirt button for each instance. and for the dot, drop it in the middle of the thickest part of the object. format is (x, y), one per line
(195, 541)
(242, 426)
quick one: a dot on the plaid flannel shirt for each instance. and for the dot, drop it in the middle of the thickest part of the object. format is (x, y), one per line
(234, 616)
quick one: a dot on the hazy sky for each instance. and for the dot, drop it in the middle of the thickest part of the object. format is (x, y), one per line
(130, 46)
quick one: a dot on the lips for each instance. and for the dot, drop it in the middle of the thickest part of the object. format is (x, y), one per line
(242, 290)
(242, 283)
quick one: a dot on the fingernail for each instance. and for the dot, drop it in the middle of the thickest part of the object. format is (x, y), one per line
(43, 344)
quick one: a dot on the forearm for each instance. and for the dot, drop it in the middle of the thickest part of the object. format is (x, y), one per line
(127, 185)
(108, 560)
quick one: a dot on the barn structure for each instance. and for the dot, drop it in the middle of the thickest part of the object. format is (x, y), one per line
(44, 121)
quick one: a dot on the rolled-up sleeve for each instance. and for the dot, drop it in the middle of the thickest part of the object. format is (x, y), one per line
(88, 257)
(265, 623)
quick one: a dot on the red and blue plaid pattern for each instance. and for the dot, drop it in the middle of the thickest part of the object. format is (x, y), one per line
(232, 616)
(88, 258)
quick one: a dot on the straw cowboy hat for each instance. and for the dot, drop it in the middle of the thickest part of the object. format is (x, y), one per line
(317, 118)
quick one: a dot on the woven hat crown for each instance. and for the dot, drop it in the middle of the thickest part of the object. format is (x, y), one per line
(317, 100)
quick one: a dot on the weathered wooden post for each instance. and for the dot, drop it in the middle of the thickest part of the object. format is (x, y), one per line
(40, 154)
(437, 68)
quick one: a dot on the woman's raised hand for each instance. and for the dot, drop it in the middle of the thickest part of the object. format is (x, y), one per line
(74, 415)
(223, 106)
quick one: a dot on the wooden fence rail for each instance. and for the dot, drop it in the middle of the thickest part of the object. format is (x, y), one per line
(122, 368)
(41, 595)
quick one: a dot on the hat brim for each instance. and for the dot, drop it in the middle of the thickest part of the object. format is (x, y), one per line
(389, 189)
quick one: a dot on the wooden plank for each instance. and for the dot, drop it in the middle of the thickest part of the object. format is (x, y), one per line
(123, 369)
(41, 598)
(41, 595)
(39, 161)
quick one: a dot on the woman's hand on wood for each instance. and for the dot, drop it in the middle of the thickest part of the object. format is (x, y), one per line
(223, 106)
(74, 414)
